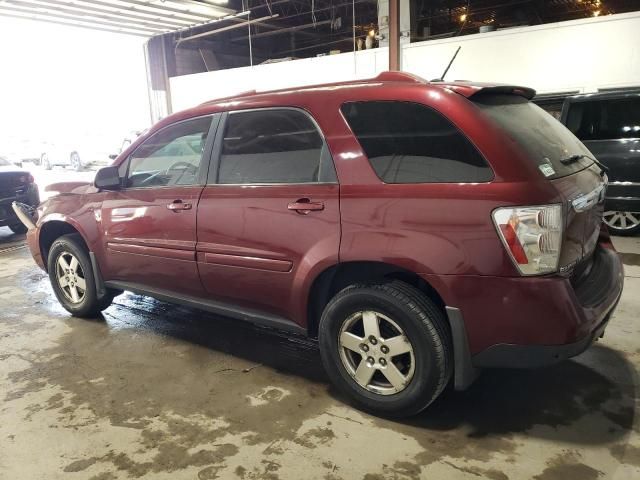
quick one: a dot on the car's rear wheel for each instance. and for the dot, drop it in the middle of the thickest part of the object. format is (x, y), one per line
(622, 223)
(72, 278)
(387, 346)
(18, 228)
(44, 161)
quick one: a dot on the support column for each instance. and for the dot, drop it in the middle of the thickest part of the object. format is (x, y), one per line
(394, 28)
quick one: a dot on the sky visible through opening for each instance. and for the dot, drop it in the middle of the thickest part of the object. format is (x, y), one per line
(68, 86)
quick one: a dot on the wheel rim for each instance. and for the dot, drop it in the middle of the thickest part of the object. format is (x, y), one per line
(621, 220)
(70, 277)
(376, 352)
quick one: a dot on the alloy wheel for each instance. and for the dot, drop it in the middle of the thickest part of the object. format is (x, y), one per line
(71, 277)
(622, 220)
(376, 352)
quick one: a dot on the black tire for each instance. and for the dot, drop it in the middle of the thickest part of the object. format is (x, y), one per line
(18, 228)
(423, 323)
(89, 305)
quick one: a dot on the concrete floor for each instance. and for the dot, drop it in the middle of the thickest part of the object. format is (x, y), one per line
(163, 392)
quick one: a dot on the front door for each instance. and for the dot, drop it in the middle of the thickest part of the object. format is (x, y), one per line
(269, 216)
(149, 226)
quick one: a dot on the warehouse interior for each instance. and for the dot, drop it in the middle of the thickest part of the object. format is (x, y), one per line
(157, 387)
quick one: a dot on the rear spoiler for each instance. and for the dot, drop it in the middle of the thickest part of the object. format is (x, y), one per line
(470, 89)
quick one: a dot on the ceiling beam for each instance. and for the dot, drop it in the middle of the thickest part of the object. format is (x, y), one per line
(45, 19)
(100, 13)
(111, 9)
(183, 11)
(171, 13)
(80, 18)
(282, 30)
(224, 29)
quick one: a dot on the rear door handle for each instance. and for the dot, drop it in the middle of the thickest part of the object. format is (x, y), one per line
(305, 205)
(178, 205)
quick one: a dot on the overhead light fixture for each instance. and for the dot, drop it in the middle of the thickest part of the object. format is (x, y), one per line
(463, 17)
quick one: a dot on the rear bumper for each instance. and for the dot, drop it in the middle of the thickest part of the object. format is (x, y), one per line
(525, 322)
(534, 356)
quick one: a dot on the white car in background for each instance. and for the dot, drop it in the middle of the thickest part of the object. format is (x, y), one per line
(70, 156)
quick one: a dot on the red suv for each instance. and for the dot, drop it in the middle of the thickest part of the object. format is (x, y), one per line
(420, 231)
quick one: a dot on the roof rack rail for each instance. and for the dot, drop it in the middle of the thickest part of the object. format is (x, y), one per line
(229, 97)
(395, 76)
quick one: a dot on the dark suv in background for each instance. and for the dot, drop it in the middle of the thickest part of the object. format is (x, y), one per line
(609, 125)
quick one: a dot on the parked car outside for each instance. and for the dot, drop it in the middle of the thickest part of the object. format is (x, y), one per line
(16, 185)
(420, 231)
(70, 155)
(609, 125)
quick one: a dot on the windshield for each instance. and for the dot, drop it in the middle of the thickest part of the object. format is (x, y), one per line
(543, 137)
(4, 162)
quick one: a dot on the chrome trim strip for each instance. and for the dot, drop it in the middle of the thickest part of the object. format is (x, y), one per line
(625, 184)
(588, 200)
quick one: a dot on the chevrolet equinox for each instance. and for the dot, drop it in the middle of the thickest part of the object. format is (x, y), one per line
(419, 231)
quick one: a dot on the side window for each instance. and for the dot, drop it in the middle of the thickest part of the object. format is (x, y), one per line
(273, 146)
(412, 143)
(171, 157)
(605, 119)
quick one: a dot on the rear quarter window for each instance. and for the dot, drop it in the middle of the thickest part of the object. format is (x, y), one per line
(412, 143)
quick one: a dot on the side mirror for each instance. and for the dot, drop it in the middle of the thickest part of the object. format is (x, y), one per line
(113, 156)
(107, 179)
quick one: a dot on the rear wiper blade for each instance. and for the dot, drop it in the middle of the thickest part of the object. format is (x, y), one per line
(580, 156)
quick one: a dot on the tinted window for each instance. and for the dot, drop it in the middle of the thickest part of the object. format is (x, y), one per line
(411, 143)
(605, 119)
(542, 137)
(171, 156)
(273, 146)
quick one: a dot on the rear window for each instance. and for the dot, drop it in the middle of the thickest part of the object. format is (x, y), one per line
(412, 143)
(605, 119)
(543, 137)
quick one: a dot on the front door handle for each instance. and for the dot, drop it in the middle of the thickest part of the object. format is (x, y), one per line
(304, 205)
(178, 205)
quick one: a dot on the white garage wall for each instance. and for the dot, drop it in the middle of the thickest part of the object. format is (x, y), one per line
(581, 55)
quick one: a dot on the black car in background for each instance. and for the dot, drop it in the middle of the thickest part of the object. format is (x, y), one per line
(609, 125)
(16, 185)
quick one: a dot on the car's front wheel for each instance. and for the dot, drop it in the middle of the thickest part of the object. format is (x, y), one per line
(622, 223)
(387, 346)
(72, 278)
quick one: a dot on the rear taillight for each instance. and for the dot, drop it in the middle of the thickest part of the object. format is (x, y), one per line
(532, 236)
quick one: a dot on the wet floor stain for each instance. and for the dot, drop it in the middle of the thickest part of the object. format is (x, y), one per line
(178, 390)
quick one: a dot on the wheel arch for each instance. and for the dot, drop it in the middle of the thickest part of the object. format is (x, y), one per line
(338, 276)
(51, 230)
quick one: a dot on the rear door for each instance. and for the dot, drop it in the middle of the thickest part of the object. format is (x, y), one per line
(269, 215)
(149, 226)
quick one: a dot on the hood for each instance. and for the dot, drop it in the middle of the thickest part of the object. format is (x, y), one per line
(69, 187)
